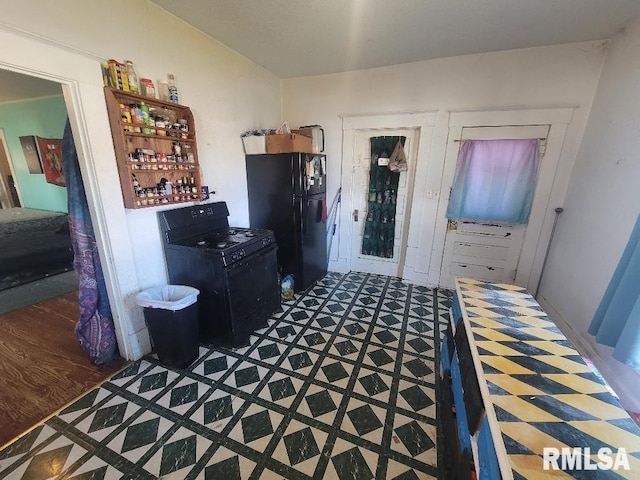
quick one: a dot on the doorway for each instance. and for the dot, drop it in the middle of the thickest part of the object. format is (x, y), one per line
(414, 220)
(482, 248)
(9, 196)
(82, 86)
(361, 261)
(35, 239)
(417, 222)
(552, 183)
(54, 362)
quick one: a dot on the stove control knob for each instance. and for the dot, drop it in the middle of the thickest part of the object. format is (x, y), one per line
(238, 254)
(266, 241)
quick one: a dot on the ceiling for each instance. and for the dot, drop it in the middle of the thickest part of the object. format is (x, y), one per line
(293, 38)
(15, 87)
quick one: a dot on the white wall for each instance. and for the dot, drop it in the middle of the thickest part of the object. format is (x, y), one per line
(600, 210)
(564, 75)
(227, 94)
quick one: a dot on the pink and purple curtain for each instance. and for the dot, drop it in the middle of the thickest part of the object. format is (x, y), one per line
(494, 181)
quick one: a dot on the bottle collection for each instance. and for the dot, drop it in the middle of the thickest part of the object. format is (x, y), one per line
(183, 189)
(123, 76)
(181, 158)
(155, 141)
(140, 118)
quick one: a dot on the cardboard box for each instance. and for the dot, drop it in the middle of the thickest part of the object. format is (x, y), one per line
(307, 132)
(317, 137)
(288, 143)
(254, 144)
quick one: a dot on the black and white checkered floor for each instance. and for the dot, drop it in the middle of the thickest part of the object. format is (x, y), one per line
(340, 385)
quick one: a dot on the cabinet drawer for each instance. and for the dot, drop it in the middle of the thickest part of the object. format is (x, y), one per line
(483, 272)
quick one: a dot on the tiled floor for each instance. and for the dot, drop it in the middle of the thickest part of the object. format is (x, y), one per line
(341, 385)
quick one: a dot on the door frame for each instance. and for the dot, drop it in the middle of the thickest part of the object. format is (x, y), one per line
(540, 132)
(552, 182)
(5, 189)
(80, 75)
(424, 122)
(386, 266)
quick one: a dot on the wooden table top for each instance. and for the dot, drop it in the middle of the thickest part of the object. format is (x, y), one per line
(537, 389)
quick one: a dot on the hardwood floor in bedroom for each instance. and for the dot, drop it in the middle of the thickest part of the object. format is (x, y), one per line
(42, 367)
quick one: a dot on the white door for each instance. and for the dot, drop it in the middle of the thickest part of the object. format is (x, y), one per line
(484, 250)
(481, 250)
(360, 178)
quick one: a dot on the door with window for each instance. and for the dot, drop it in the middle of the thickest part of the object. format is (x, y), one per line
(371, 248)
(490, 200)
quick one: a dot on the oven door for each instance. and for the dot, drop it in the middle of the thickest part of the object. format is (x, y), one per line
(253, 293)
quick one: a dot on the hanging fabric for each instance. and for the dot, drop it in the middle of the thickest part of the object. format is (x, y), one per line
(95, 329)
(616, 323)
(494, 181)
(379, 227)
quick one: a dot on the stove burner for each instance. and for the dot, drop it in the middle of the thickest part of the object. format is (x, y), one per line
(225, 241)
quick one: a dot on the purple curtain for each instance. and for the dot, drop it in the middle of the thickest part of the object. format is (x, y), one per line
(495, 181)
(95, 329)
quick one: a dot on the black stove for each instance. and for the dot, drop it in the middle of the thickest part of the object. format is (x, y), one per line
(234, 268)
(232, 244)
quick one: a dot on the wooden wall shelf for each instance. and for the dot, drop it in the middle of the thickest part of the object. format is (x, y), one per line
(146, 158)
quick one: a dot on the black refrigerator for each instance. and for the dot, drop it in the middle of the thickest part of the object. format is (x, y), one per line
(287, 195)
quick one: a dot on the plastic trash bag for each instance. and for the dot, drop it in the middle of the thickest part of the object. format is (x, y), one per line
(286, 288)
(398, 160)
(168, 297)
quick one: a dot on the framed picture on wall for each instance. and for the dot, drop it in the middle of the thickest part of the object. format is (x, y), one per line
(50, 153)
(30, 149)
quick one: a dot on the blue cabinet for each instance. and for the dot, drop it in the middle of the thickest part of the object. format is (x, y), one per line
(470, 452)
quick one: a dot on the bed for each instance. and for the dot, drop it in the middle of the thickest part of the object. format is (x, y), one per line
(33, 244)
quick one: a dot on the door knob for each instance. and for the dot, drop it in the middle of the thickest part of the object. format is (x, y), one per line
(355, 215)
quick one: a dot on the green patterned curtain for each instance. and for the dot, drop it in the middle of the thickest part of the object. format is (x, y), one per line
(380, 225)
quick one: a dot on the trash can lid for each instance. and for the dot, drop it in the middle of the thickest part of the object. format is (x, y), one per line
(168, 297)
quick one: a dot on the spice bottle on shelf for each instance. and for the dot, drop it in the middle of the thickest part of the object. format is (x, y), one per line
(144, 108)
(147, 88)
(187, 153)
(125, 113)
(173, 90)
(132, 76)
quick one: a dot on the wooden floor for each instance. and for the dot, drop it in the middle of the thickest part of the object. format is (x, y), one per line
(42, 367)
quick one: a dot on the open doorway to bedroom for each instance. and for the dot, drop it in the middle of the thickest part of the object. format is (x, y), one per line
(42, 364)
(36, 257)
